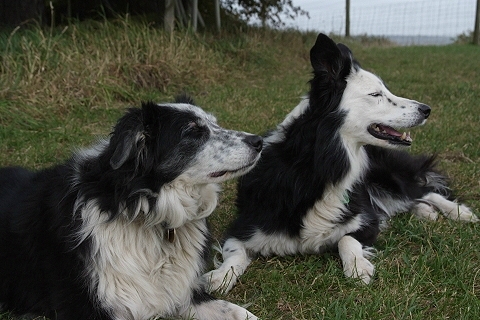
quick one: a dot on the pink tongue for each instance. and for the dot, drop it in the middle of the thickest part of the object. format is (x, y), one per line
(390, 131)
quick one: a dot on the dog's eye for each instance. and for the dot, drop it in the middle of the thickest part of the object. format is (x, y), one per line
(193, 129)
(376, 94)
(191, 125)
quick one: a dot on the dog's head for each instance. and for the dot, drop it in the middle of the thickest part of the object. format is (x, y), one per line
(160, 142)
(372, 113)
(162, 163)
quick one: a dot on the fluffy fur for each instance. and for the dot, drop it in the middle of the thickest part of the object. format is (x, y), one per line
(119, 231)
(331, 173)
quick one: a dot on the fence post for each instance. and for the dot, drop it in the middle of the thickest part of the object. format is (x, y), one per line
(194, 14)
(169, 17)
(217, 15)
(476, 32)
(347, 22)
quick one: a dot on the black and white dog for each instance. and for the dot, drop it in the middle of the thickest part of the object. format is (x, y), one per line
(119, 231)
(329, 175)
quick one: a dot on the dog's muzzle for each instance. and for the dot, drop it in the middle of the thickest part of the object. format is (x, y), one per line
(254, 141)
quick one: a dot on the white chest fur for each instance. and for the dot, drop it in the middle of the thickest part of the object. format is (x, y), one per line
(321, 227)
(140, 274)
(134, 270)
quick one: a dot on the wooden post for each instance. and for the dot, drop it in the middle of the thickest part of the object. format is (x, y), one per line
(476, 32)
(194, 14)
(217, 14)
(347, 19)
(169, 17)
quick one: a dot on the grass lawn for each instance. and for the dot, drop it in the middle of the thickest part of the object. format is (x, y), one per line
(60, 89)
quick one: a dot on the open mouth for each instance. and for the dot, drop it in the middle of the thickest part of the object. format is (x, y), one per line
(384, 132)
(224, 172)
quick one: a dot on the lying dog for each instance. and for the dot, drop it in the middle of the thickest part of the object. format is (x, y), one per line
(329, 176)
(119, 231)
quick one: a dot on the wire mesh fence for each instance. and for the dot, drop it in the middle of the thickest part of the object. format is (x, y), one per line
(406, 22)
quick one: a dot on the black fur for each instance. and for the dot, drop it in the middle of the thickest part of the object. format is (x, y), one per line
(293, 174)
(38, 273)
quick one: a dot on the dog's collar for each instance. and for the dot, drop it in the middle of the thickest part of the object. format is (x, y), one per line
(170, 235)
(345, 197)
(169, 232)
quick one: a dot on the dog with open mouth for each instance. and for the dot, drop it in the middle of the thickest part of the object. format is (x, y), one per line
(333, 172)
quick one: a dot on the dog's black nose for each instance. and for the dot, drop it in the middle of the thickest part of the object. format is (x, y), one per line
(425, 110)
(255, 141)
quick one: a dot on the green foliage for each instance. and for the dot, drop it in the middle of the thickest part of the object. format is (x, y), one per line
(61, 88)
(268, 12)
(464, 38)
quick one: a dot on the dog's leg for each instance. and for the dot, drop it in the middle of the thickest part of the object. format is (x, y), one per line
(235, 261)
(355, 263)
(449, 209)
(213, 309)
(424, 211)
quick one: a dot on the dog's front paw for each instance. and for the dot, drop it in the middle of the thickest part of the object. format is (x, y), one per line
(355, 263)
(450, 209)
(359, 268)
(217, 310)
(243, 314)
(425, 211)
(462, 213)
(220, 280)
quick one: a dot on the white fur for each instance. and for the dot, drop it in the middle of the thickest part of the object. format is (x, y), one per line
(218, 310)
(139, 274)
(132, 255)
(353, 256)
(225, 150)
(425, 211)
(449, 209)
(235, 261)
(363, 109)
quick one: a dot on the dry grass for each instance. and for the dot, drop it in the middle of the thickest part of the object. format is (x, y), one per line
(99, 59)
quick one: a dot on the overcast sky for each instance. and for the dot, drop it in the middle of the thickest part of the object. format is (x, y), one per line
(389, 17)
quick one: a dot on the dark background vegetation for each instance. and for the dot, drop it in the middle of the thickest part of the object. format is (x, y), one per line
(15, 12)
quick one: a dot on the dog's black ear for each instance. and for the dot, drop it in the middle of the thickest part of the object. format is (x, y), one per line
(149, 115)
(345, 51)
(122, 152)
(127, 139)
(326, 56)
(348, 55)
(323, 53)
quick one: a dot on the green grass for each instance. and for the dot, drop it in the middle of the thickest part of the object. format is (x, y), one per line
(60, 89)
